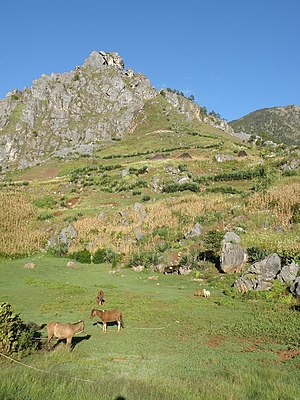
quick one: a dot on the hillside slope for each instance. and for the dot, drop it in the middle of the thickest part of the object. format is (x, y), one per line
(75, 113)
(279, 123)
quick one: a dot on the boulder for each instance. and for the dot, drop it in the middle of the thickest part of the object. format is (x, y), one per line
(71, 264)
(288, 273)
(260, 274)
(138, 268)
(30, 265)
(224, 157)
(63, 238)
(194, 232)
(233, 255)
(268, 268)
(295, 287)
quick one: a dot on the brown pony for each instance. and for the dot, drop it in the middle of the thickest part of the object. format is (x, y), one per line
(108, 316)
(63, 331)
(99, 298)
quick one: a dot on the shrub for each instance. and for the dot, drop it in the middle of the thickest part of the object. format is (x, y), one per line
(15, 336)
(145, 258)
(44, 202)
(82, 256)
(106, 255)
(256, 254)
(295, 213)
(146, 197)
(44, 216)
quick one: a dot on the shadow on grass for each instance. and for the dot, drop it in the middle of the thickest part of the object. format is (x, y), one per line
(75, 342)
(108, 323)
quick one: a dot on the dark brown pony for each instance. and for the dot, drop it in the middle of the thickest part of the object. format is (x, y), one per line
(108, 316)
(99, 298)
(63, 331)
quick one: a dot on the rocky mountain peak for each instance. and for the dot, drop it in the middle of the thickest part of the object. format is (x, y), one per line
(99, 59)
(73, 113)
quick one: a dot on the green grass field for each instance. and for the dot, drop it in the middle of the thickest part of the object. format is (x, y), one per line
(174, 345)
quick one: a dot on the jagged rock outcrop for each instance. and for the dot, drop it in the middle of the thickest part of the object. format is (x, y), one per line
(260, 275)
(74, 113)
(71, 113)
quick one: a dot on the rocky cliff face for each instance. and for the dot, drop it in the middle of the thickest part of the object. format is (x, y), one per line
(74, 113)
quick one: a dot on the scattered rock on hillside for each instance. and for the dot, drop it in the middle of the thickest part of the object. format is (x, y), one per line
(63, 238)
(194, 232)
(260, 274)
(267, 268)
(224, 157)
(288, 273)
(138, 268)
(71, 264)
(30, 265)
(295, 287)
(233, 255)
(291, 165)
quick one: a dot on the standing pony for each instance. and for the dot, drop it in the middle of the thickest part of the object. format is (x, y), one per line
(99, 299)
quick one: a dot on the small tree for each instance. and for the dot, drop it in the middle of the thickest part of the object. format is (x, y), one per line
(15, 336)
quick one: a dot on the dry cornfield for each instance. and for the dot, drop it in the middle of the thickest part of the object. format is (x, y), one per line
(279, 201)
(17, 234)
(118, 231)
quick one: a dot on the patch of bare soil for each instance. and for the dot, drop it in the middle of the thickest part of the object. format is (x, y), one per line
(40, 173)
(215, 341)
(285, 355)
(72, 202)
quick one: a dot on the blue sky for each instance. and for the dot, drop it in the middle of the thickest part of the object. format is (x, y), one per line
(234, 56)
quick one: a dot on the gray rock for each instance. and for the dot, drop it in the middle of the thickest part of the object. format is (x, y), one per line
(138, 268)
(295, 287)
(288, 273)
(224, 157)
(64, 237)
(194, 232)
(231, 237)
(49, 119)
(233, 255)
(267, 268)
(139, 234)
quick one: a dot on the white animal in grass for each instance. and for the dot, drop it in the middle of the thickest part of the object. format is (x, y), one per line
(206, 293)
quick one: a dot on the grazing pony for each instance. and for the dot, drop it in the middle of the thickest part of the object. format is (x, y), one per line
(99, 299)
(108, 316)
(63, 331)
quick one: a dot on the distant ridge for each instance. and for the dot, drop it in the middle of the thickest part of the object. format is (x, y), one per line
(281, 124)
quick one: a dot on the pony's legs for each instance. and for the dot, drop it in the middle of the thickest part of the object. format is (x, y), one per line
(104, 326)
(119, 326)
(48, 342)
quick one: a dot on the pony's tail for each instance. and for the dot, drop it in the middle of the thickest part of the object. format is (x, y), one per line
(34, 326)
(122, 322)
(42, 326)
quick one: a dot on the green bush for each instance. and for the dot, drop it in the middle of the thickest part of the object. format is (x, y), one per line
(44, 216)
(106, 256)
(15, 336)
(82, 256)
(44, 202)
(146, 258)
(296, 213)
(256, 254)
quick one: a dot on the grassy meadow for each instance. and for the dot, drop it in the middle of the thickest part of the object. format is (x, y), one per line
(174, 345)
(141, 196)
